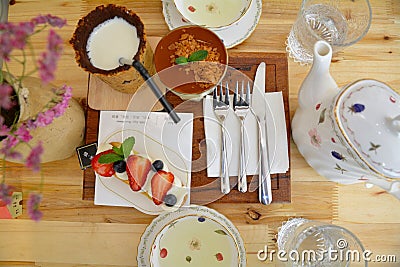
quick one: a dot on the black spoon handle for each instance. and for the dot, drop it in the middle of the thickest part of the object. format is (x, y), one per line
(157, 92)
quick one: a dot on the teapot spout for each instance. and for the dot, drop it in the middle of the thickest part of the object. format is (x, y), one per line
(319, 83)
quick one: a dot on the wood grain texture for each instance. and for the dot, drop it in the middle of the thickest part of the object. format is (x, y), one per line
(71, 224)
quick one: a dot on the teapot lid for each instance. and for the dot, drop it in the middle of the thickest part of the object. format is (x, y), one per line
(368, 115)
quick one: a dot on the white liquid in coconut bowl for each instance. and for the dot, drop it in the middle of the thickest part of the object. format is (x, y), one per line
(111, 40)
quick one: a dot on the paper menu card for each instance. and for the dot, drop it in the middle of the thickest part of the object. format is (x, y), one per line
(157, 137)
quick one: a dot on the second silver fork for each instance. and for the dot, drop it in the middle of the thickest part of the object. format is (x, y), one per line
(241, 108)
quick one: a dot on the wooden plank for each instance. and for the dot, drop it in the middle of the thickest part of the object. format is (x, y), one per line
(380, 206)
(205, 190)
(94, 244)
(89, 243)
(102, 244)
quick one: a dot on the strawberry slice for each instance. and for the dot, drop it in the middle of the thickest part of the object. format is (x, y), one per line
(161, 182)
(103, 169)
(137, 169)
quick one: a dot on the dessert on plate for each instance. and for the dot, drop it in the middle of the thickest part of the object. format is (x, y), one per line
(140, 173)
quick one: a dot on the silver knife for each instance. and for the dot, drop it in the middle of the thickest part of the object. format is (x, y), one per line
(258, 107)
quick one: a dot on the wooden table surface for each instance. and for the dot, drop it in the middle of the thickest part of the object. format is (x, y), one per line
(75, 232)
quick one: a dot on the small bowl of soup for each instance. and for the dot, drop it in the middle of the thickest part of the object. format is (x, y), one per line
(191, 61)
(213, 14)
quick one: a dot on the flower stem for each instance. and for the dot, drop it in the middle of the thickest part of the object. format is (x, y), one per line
(3, 170)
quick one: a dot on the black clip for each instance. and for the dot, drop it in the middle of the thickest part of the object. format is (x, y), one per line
(86, 154)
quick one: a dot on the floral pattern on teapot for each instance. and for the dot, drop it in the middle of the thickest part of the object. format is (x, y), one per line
(336, 156)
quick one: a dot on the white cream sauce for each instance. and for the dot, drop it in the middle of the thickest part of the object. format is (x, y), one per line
(111, 40)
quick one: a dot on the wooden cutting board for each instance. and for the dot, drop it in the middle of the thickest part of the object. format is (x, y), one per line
(205, 190)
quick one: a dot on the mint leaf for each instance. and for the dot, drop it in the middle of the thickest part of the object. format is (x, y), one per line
(198, 55)
(181, 60)
(127, 146)
(118, 150)
(109, 158)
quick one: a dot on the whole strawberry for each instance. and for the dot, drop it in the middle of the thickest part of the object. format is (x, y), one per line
(103, 169)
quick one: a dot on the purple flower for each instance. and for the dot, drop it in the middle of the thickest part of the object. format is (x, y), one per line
(5, 46)
(50, 19)
(23, 133)
(47, 66)
(48, 61)
(14, 36)
(17, 35)
(21, 32)
(54, 42)
(5, 94)
(47, 117)
(44, 118)
(67, 91)
(33, 206)
(33, 159)
(60, 108)
(8, 144)
(5, 194)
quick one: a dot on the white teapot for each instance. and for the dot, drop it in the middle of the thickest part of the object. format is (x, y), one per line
(350, 134)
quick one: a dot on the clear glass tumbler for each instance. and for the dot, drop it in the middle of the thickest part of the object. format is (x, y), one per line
(339, 22)
(302, 242)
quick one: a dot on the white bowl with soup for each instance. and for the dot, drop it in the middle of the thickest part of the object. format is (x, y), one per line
(214, 14)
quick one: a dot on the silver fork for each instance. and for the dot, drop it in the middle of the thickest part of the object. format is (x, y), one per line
(221, 109)
(241, 108)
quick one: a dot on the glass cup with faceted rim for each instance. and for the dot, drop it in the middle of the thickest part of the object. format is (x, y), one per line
(339, 22)
(311, 243)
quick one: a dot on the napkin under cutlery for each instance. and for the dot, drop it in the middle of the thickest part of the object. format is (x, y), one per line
(276, 135)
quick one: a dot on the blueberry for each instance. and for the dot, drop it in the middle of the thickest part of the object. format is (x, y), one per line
(120, 166)
(158, 165)
(170, 200)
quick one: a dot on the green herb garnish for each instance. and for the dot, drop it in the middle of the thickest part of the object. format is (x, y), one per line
(110, 158)
(181, 60)
(195, 56)
(120, 153)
